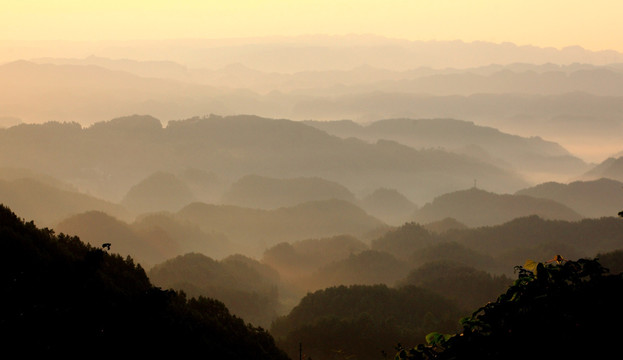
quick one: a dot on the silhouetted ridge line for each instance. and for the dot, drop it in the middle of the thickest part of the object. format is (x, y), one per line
(62, 297)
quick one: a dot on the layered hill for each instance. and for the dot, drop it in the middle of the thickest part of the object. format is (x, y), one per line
(160, 191)
(594, 198)
(255, 230)
(533, 155)
(261, 192)
(48, 204)
(110, 157)
(388, 205)
(97, 228)
(475, 207)
(611, 168)
(248, 288)
(304, 257)
(66, 298)
(151, 239)
(567, 101)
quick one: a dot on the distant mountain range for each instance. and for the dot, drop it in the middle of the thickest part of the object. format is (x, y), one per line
(562, 95)
(312, 53)
(532, 156)
(108, 158)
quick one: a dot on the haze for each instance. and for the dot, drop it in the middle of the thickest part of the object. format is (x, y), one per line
(271, 154)
(593, 25)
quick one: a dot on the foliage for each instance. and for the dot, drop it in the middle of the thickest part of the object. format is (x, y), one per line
(62, 297)
(404, 240)
(612, 260)
(468, 286)
(561, 309)
(361, 320)
(451, 251)
(368, 267)
(247, 287)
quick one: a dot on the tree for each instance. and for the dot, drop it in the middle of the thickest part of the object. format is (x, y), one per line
(556, 309)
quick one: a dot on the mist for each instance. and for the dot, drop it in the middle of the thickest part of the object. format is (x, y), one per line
(306, 182)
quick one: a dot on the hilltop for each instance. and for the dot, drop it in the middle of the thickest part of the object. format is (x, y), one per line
(475, 207)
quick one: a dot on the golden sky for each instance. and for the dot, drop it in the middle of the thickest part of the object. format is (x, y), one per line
(594, 24)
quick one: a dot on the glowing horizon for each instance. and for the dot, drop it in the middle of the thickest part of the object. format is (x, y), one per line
(593, 26)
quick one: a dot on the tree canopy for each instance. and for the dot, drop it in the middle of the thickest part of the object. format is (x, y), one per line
(557, 309)
(64, 297)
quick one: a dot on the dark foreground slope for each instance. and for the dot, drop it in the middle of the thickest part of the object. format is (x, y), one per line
(62, 297)
(564, 310)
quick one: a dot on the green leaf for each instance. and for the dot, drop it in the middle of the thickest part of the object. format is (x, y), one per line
(436, 338)
(530, 265)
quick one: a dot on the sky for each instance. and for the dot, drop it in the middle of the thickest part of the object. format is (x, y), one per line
(594, 25)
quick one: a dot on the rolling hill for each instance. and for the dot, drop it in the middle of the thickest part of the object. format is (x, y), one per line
(611, 168)
(269, 193)
(48, 204)
(254, 230)
(108, 158)
(594, 198)
(160, 191)
(475, 207)
(533, 156)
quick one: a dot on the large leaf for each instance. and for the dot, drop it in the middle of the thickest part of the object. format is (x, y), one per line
(530, 265)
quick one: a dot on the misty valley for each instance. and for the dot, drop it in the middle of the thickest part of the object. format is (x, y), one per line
(155, 208)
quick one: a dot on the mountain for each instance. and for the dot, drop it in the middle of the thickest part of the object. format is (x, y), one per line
(368, 267)
(530, 155)
(539, 239)
(303, 257)
(320, 52)
(97, 228)
(66, 298)
(542, 78)
(110, 157)
(88, 94)
(444, 225)
(239, 282)
(187, 236)
(269, 193)
(475, 207)
(254, 230)
(611, 168)
(467, 286)
(551, 97)
(388, 205)
(150, 69)
(48, 204)
(498, 248)
(565, 118)
(402, 241)
(362, 321)
(160, 191)
(207, 186)
(15, 173)
(594, 198)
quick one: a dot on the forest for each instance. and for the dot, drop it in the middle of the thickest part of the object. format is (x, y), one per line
(349, 201)
(348, 264)
(65, 297)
